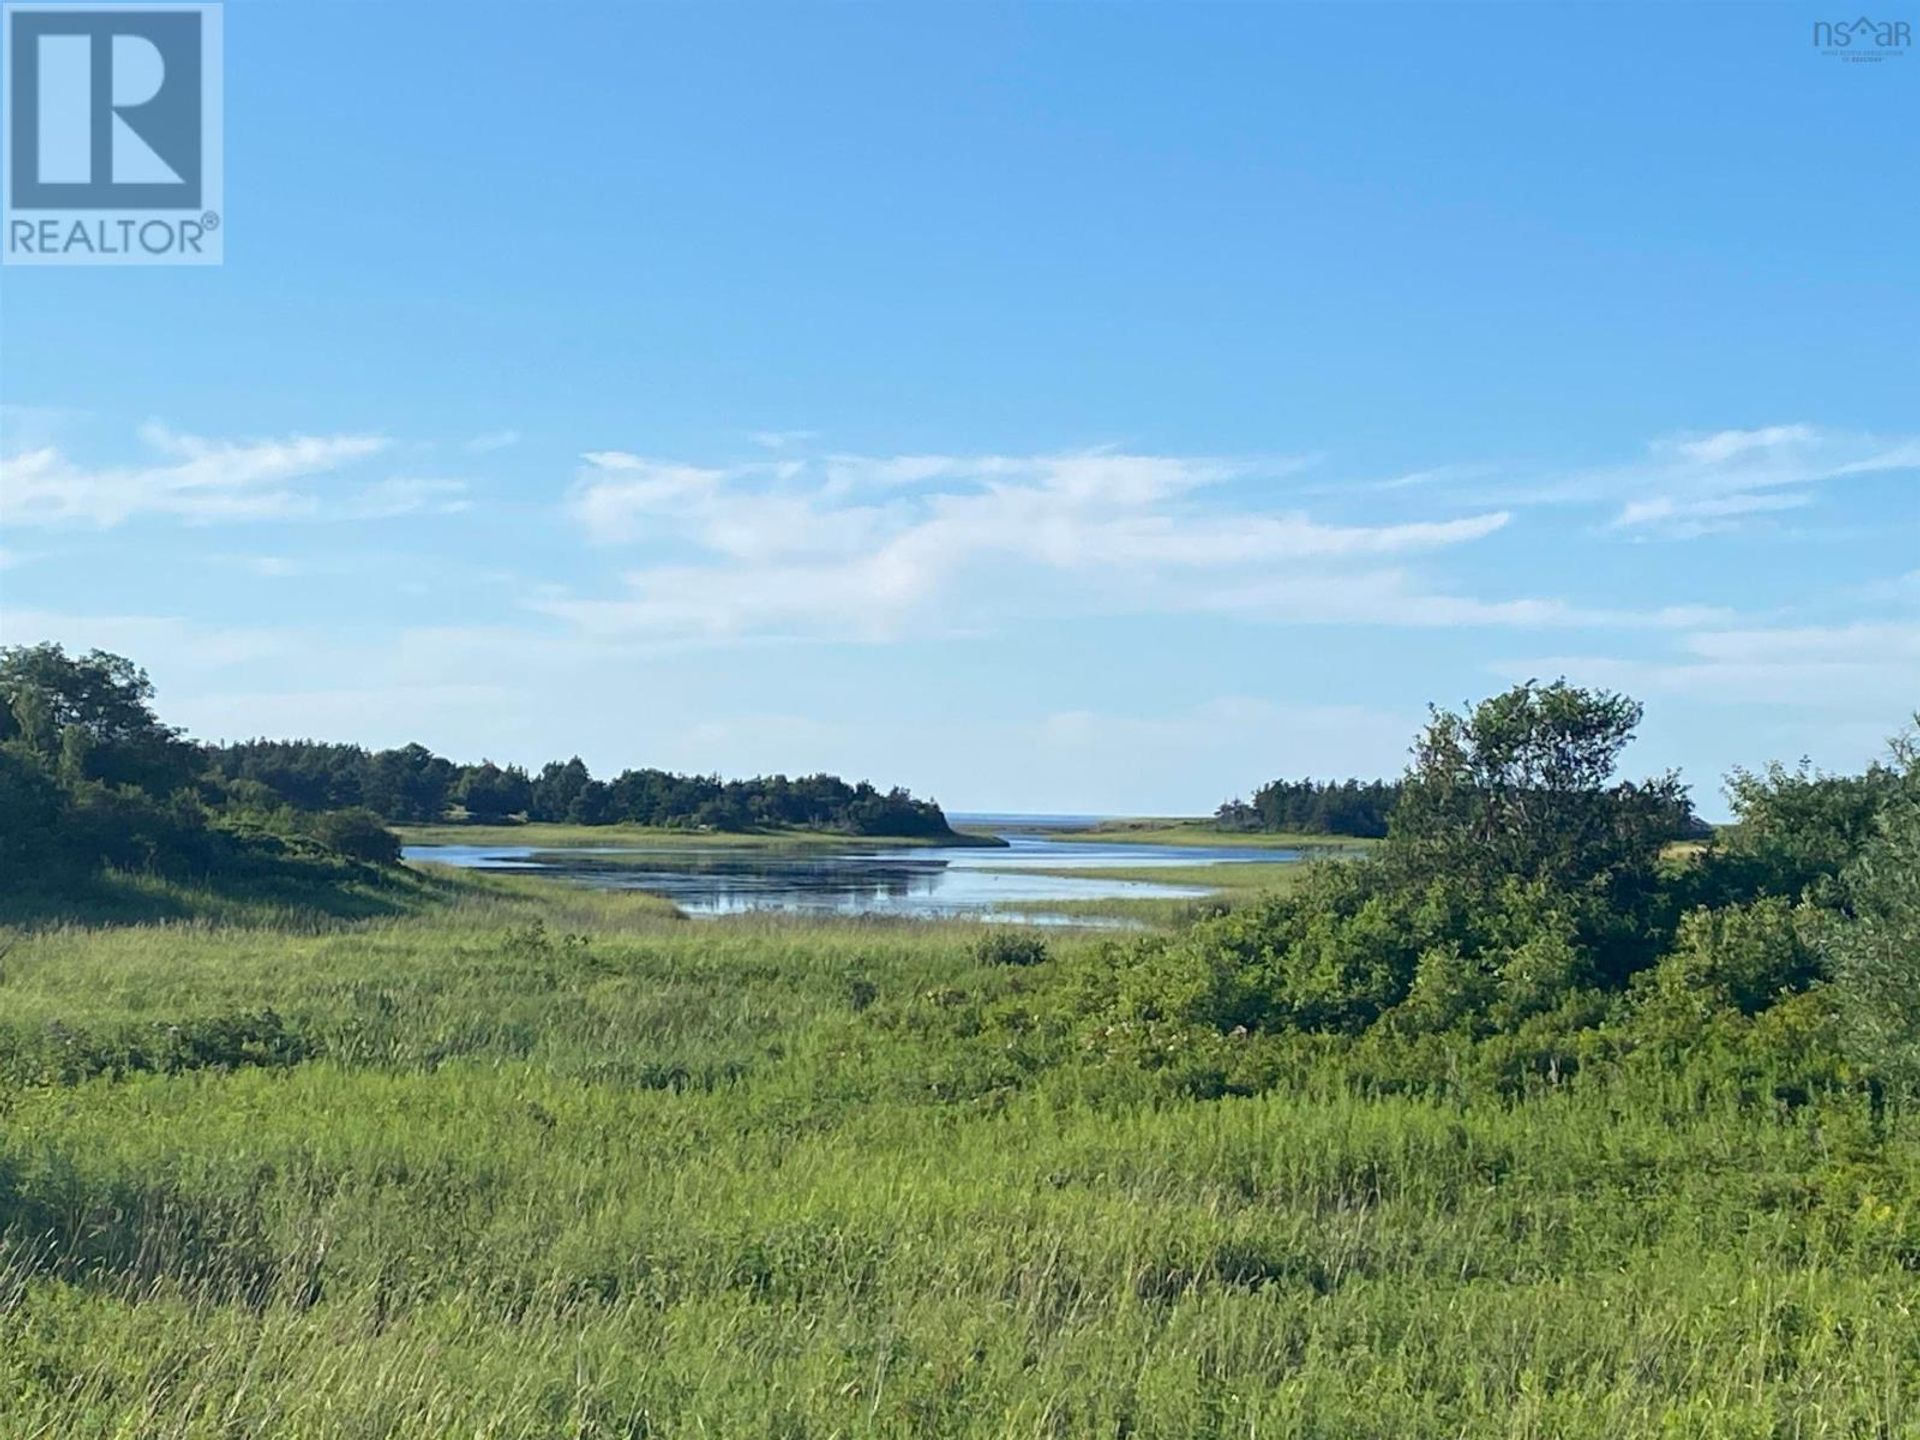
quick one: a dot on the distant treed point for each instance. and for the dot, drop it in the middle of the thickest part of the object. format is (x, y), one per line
(413, 786)
(1358, 808)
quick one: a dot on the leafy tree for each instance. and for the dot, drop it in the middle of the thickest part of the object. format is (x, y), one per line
(1875, 951)
(557, 789)
(1523, 785)
(1518, 875)
(307, 774)
(32, 805)
(1522, 790)
(93, 712)
(491, 794)
(410, 785)
(1796, 829)
(593, 805)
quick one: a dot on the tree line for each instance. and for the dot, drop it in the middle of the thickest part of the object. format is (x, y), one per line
(412, 785)
(92, 778)
(1315, 807)
(1359, 808)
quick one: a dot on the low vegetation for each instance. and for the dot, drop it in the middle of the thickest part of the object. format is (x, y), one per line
(1522, 1123)
(1193, 831)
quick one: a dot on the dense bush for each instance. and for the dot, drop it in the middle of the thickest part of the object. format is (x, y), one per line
(356, 833)
(1876, 953)
(1010, 945)
(1527, 918)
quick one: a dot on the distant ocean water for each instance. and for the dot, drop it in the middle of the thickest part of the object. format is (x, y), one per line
(989, 818)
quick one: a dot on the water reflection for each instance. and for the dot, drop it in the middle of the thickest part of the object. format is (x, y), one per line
(928, 882)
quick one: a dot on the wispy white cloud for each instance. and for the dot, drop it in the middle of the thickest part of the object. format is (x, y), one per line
(1697, 484)
(189, 478)
(1868, 667)
(781, 439)
(1397, 597)
(1681, 519)
(1434, 477)
(407, 495)
(493, 440)
(624, 497)
(868, 547)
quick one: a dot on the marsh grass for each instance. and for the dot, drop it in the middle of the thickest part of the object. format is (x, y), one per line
(1227, 885)
(291, 896)
(1198, 832)
(1239, 876)
(544, 1161)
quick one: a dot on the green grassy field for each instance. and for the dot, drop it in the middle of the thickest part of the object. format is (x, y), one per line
(541, 1161)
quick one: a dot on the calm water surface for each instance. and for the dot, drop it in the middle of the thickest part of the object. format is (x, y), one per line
(929, 882)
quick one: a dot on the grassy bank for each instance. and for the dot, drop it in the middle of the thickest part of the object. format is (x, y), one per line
(299, 896)
(1226, 886)
(560, 836)
(552, 1162)
(1151, 831)
(1236, 877)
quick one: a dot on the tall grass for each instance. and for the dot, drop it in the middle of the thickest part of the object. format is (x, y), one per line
(551, 1162)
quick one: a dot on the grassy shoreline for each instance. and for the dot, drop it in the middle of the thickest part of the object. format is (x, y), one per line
(556, 836)
(1226, 885)
(1148, 830)
(1234, 876)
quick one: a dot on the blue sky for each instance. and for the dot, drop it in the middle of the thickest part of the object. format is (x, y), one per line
(1094, 408)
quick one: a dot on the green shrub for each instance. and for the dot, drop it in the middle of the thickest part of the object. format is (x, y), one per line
(1745, 956)
(357, 833)
(60, 1054)
(1875, 954)
(1010, 945)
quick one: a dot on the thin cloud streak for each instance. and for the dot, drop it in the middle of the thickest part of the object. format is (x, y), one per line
(191, 478)
(865, 547)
